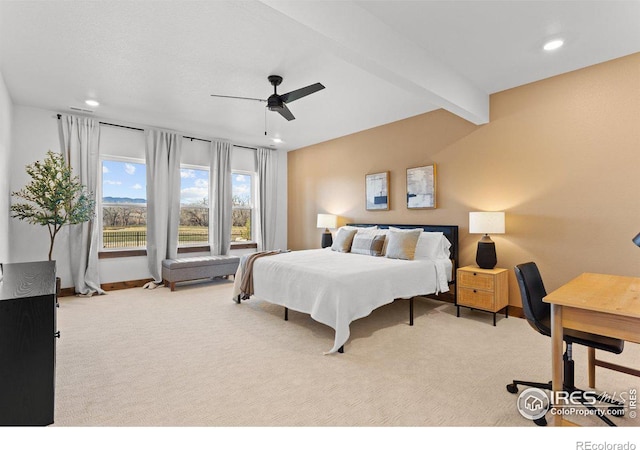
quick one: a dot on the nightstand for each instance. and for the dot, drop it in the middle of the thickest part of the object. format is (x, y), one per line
(483, 289)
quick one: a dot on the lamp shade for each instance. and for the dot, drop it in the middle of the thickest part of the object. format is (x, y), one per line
(486, 222)
(327, 221)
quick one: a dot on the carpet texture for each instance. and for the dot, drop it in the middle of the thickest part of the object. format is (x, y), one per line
(193, 357)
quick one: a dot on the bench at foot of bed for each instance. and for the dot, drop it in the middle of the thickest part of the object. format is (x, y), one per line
(198, 268)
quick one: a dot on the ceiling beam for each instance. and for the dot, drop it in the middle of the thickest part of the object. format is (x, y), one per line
(358, 37)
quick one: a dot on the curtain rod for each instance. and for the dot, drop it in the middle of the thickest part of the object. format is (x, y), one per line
(141, 129)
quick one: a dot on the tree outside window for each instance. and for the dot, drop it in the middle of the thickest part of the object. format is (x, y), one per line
(194, 206)
(242, 193)
(124, 204)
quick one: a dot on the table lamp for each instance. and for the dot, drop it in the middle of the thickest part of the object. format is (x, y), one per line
(327, 221)
(486, 222)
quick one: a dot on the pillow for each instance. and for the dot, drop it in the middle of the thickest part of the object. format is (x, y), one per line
(343, 240)
(367, 244)
(370, 229)
(405, 230)
(402, 244)
(400, 230)
(432, 245)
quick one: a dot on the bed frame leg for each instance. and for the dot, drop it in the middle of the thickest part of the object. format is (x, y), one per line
(286, 313)
(411, 312)
(341, 349)
(238, 299)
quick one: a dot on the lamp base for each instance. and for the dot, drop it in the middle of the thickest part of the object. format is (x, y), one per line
(486, 254)
(327, 239)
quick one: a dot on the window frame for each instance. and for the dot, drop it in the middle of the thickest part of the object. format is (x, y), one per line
(200, 246)
(105, 253)
(133, 251)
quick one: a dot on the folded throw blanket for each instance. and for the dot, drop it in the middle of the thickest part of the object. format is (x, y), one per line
(246, 266)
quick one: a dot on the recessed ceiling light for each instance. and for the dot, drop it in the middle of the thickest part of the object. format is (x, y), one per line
(277, 140)
(93, 103)
(552, 45)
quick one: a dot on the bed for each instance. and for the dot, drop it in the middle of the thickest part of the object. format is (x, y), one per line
(337, 288)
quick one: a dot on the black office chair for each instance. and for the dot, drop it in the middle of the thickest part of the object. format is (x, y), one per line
(538, 315)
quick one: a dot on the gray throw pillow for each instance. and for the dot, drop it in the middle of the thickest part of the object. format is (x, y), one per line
(368, 244)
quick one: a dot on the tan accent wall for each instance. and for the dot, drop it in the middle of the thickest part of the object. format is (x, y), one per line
(560, 156)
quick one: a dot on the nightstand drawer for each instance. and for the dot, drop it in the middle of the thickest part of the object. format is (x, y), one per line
(475, 298)
(476, 280)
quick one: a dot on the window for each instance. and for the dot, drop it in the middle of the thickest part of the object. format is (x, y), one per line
(242, 192)
(124, 204)
(194, 206)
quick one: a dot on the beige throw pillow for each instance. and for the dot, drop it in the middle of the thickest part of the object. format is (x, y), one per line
(402, 244)
(343, 240)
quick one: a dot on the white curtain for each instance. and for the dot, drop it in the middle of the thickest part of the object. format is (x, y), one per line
(220, 195)
(267, 164)
(79, 137)
(163, 198)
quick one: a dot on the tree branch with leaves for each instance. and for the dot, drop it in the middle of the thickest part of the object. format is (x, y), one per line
(54, 196)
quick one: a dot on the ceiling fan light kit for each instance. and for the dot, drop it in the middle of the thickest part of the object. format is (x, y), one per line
(278, 103)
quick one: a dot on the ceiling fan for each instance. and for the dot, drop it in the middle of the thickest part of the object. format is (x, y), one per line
(277, 102)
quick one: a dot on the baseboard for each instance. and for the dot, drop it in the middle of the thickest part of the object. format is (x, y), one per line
(67, 292)
(516, 311)
(125, 284)
(70, 291)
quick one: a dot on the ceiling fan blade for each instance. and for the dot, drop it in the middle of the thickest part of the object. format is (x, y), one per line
(284, 112)
(302, 92)
(240, 98)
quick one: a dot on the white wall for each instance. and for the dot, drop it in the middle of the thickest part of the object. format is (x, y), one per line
(281, 207)
(5, 169)
(34, 132)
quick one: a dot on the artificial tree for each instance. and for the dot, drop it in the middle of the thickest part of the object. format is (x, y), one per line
(54, 196)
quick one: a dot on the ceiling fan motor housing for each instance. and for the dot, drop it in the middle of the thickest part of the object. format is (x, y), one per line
(274, 102)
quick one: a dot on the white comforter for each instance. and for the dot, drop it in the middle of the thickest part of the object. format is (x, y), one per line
(338, 288)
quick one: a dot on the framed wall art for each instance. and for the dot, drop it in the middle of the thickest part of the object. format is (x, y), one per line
(377, 191)
(421, 187)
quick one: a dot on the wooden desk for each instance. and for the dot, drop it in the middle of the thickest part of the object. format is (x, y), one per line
(608, 305)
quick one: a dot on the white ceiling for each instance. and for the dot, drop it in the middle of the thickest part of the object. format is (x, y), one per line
(156, 63)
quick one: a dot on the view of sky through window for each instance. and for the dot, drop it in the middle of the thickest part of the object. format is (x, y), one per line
(194, 187)
(241, 189)
(127, 180)
(124, 180)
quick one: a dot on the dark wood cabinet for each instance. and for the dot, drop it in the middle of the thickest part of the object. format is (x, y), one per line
(28, 334)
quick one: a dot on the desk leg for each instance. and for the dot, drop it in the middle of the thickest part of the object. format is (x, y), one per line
(591, 366)
(556, 354)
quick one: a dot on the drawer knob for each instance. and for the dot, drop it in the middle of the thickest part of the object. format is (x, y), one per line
(474, 274)
(474, 291)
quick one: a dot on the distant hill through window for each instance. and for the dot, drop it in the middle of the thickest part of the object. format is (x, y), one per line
(123, 200)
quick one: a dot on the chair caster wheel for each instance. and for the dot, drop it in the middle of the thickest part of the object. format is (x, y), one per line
(513, 388)
(541, 422)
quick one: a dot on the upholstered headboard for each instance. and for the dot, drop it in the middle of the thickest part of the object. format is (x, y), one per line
(449, 231)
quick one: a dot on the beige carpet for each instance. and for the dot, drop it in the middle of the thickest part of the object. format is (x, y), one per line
(193, 357)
